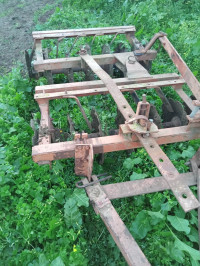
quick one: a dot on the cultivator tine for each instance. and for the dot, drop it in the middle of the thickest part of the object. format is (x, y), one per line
(154, 115)
(113, 39)
(57, 48)
(69, 72)
(135, 97)
(70, 75)
(120, 48)
(173, 113)
(164, 100)
(81, 109)
(71, 124)
(88, 73)
(107, 68)
(96, 127)
(29, 65)
(47, 73)
(96, 124)
(175, 118)
(119, 120)
(34, 125)
(28, 59)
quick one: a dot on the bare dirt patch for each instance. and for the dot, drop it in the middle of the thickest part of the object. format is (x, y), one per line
(16, 26)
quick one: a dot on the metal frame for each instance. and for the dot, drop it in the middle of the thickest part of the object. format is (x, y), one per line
(137, 131)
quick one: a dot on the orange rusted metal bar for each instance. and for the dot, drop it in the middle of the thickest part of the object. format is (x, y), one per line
(95, 91)
(59, 64)
(117, 95)
(122, 237)
(144, 186)
(182, 192)
(83, 85)
(69, 33)
(45, 124)
(184, 70)
(62, 150)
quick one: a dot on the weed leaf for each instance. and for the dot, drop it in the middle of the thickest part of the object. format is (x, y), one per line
(136, 176)
(193, 236)
(72, 214)
(179, 224)
(57, 262)
(175, 253)
(141, 226)
(81, 198)
(195, 254)
(156, 217)
(188, 153)
(129, 163)
(43, 261)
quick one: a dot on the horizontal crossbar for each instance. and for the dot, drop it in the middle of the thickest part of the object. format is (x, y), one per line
(99, 84)
(48, 152)
(144, 186)
(104, 90)
(75, 62)
(122, 237)
(82, 32)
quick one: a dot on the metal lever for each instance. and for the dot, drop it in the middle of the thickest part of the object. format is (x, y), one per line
(150, 43)
(81, 109)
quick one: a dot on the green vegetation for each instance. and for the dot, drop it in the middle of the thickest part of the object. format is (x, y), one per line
(45, 220)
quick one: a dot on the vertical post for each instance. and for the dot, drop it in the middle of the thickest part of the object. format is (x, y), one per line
(45, 123)
(38, 50)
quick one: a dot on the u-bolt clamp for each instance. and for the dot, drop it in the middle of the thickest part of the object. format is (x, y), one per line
(80, 184)
(150, 44)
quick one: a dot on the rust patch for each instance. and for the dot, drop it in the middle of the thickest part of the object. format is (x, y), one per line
(84, 160)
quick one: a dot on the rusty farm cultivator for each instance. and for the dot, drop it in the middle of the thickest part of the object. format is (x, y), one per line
(140, 128)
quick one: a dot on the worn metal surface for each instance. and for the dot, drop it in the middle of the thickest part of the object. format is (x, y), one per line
(182, 192)
(122, 237)
(82, 32)
(117, 95)
(99, 84)
(125, 141)
(44, 131)
(84, 160)
(144, 186)
(184, 70)
(61, 93)
(41, 65)
(195, 165)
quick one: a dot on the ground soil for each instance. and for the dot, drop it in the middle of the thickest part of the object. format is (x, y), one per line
(16, 25)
